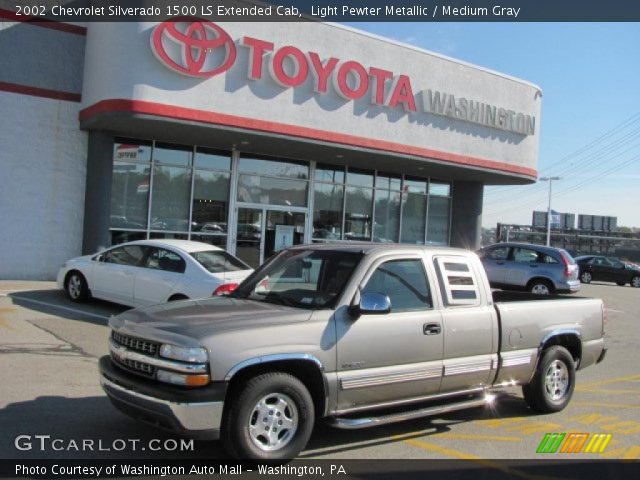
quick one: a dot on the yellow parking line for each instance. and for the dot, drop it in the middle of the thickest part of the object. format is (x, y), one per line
(492, 438)
(610, 392)
(605, 405)
(628, 378)
(450, 452)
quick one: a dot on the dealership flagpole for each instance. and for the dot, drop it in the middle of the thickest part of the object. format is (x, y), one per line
(550, 180)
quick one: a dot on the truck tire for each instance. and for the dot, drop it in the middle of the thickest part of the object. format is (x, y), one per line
(271, 417)
(552, 384)
(76, 287)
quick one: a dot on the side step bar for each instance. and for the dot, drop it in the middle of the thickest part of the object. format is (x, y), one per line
(367, 422)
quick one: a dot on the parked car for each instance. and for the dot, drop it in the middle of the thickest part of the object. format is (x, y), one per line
(607, 269)
(360, 334)
(534, 268)
(146, 272)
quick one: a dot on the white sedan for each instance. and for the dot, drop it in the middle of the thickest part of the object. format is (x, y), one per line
(146, 272)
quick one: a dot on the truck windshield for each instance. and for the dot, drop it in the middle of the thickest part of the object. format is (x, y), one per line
(311, 279)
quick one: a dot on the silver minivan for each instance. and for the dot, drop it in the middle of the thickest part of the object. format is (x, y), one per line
(533, 268)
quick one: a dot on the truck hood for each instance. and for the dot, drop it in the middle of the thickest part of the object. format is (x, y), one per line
(190, 322)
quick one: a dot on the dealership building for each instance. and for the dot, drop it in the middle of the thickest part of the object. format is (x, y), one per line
(248, 136)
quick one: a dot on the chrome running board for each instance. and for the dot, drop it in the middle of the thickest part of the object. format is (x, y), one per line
(367, 422)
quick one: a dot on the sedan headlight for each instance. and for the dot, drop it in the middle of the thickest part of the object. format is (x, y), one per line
(184, 354)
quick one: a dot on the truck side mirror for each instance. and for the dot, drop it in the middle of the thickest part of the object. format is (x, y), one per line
(372, 303)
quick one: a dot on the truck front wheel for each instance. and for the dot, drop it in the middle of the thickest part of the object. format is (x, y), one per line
(552, 385)
(269, 418)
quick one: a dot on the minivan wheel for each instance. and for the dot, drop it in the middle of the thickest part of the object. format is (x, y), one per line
(540, 287)
(635, 282)
(585, 277)
(76, 287)
(552, 385)
(270, 418)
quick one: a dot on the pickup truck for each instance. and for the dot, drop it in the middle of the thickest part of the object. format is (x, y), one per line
(357, 334)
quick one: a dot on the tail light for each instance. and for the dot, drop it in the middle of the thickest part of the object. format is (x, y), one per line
(567, 265)
(225, 289)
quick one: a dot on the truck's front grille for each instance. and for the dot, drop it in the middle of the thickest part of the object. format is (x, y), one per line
(137, 344)
(135, 366)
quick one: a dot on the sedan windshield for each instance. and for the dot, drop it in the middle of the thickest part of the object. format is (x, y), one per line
(218, 261)
(311, 279)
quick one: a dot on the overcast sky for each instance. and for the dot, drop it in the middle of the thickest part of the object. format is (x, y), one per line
(590, 125)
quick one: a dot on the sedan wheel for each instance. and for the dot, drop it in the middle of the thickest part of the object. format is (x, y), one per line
(635, 282)
(77, 287)
(585, 277)
(540, 289)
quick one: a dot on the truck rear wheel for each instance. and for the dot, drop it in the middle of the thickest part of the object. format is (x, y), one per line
(270, 418)
(552, 385)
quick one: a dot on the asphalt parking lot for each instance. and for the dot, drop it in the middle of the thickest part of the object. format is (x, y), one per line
(49, 349)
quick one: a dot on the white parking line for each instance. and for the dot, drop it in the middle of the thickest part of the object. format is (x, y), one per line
(60, 307)
(614, 310)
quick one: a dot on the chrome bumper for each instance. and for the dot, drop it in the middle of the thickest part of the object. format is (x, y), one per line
(199, 420)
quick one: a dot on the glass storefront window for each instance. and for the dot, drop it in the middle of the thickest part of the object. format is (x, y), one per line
(129, 195)
(414, 212)
(415, 185)
(357, 222)
(329, 173)
(387, 218)
(118, 236)
(273, 191)
(273, 167)
(125, 150)
(166, 154)
(327, 211)
(210, 202)
(438, 222)
(212, 159)
(215, 240)
(170, 198)
(360, 178)
(439, 188)
(388, 181)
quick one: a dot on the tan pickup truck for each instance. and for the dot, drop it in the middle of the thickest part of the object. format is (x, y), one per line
(358, 334)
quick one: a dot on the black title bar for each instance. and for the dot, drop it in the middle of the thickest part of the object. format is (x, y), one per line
(326, 10)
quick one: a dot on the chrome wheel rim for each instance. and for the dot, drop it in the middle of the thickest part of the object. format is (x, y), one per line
(540, 289)
(586, 278)
(556, 380)
(636, 282)
(273, 422)
(74, 287)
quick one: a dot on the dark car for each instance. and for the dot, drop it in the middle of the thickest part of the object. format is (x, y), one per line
(607, 269)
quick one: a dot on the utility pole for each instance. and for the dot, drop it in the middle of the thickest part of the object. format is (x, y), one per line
(550, 180)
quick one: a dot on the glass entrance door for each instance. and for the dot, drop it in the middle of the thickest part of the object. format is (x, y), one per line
(262, 232)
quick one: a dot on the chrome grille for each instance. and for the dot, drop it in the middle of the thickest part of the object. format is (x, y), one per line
(137, 367)
(133, 343)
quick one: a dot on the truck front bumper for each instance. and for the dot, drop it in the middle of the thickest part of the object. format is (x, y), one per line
(195, 413)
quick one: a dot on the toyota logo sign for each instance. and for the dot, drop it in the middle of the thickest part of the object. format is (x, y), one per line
(193, 47)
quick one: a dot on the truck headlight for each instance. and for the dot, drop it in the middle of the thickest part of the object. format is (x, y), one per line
(184, 354)
(180, 379)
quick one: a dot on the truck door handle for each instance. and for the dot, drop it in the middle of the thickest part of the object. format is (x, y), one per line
(431, 328)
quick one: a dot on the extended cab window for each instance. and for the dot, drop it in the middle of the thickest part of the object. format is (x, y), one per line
(161, 259)
(404, 281)
(131, 255)
(457, 281)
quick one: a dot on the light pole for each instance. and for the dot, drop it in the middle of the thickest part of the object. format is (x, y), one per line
(550, 180)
